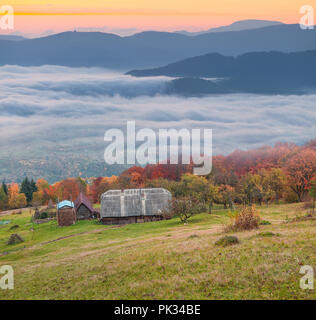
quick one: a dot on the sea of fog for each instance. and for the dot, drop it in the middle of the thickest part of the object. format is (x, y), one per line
(74, 106)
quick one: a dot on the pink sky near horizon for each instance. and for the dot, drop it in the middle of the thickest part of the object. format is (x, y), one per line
(36, 17)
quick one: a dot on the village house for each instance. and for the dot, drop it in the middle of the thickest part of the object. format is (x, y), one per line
(84, 208)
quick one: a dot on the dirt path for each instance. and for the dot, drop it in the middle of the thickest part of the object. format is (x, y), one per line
(9, 212)
(75, 235)
(117, 244)
(59, 239)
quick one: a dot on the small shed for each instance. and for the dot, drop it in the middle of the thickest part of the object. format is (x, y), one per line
(66, 214)
(84, 208)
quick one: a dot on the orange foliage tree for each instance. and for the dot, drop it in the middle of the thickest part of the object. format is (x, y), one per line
(300, 170)
(16, 199)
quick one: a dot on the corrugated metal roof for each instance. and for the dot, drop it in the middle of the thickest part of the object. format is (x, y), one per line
(65, 203)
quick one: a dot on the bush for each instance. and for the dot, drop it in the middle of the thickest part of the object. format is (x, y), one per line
(193, 236)
(14, 227)
(15, 239)
(246, 219)
(227, 241)
(268, 234)
(43, 215)
(264, 222)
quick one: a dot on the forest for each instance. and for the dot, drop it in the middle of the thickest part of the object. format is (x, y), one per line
(270, 174)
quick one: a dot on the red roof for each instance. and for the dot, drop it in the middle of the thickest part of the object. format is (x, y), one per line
(82, 199)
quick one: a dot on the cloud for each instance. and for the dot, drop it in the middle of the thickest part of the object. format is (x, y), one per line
(43, 109)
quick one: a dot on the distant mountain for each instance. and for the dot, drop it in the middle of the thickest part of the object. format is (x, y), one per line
(11, 37)
(258, 72)
(237, 26)
(149, 49)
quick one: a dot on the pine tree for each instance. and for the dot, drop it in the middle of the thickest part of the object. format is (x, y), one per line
(33, 187)
(5, 187)
(28, 188)
(3, 199)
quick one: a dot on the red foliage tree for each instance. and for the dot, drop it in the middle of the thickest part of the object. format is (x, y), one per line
(300, 170)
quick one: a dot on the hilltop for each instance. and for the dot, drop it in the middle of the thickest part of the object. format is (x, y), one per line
(161, 260)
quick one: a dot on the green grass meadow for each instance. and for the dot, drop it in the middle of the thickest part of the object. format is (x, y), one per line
(161, 260)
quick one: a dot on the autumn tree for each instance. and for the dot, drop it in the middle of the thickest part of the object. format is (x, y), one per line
(301, 169)
(50, 193)
(21, 200)
(262, 191)
(82, 185)
(185, 208)
(37, 199)
(42, 184)
(247, 189)
(226, 195)
(13, 196)
(200, 188)
(67, 189)
(276, 179)
(132, 178)
(99, 186)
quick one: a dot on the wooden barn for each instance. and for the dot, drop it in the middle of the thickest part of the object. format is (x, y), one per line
(134, 205)
(66, 214)
(84, 208)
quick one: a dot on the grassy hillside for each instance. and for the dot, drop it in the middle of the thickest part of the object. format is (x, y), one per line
(160, 260)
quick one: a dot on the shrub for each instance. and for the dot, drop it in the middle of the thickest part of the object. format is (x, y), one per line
(268, 234)
(43, 215)
(227, 241)
(15, 239)
(193, 236)
(14, 227)
(246, 219)
(264, 222)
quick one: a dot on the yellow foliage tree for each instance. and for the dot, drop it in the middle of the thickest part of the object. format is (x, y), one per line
(13, 195)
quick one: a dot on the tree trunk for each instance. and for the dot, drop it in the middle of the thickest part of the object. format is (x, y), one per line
(210, 208)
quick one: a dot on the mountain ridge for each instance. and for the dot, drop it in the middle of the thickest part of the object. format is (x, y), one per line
(240, 25)
(148, 49)
(256, 72)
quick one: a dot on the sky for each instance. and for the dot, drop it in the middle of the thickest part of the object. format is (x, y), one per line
(40, 17)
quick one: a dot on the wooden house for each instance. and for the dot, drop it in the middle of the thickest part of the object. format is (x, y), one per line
(84, 208)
